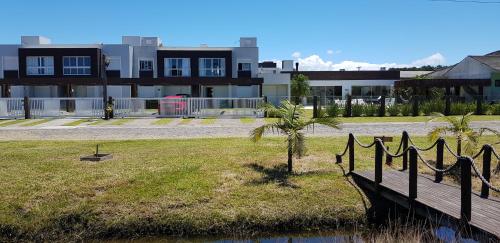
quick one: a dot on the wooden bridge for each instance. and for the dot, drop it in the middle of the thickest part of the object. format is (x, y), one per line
(425, 195)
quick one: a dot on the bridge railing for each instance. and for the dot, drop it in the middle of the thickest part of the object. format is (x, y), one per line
(411, 155)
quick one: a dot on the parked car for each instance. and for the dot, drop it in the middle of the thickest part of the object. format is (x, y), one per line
(172, 105)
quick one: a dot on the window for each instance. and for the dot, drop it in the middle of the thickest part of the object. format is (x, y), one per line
(244, 67)
(40, 65)
(212, 67)
(145, 65)
(497, 83)
(177, 67)
(76, 65)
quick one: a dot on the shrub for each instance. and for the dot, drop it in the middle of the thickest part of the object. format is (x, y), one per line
(370, 109)
(428, 107)
(406, 109)
(333, 110)
(494, 109)
(394, 110)
(357, 110)
(462, 108)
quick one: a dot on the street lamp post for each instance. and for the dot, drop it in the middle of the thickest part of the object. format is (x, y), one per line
(104, 78)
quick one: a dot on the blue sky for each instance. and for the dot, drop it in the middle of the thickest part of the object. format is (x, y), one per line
(326, 34)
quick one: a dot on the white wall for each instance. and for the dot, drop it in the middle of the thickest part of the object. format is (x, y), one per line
(245, 55)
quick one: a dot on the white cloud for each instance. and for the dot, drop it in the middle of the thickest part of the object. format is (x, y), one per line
(433, 60)
(331, 52)
(296, 55)
(315, 62)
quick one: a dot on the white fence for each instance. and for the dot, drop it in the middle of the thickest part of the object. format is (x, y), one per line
(211, 107)
(135, 107)
(11, 107)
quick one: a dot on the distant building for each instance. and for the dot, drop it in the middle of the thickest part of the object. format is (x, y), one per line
(138, 67)
(473, 76)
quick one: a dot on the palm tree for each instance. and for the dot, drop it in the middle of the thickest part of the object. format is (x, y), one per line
(291, 121)
(460, 128)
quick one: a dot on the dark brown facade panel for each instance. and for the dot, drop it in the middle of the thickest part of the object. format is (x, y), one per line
(10, 74)
(129, 81)
(441, 82)
(113, 73)
(194, 57)
(350, 75)
(58, 54)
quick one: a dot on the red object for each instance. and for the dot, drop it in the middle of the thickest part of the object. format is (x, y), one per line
(172, 103)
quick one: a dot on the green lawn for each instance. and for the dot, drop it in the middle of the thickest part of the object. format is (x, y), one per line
(208, 121)
(12, 122)
(188, 186)
(185, 121)
(163, 121)
(119, 122)
(35, 122)
(77, 122)
(247, 120)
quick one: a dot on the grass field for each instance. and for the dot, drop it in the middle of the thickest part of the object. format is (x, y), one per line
(119, 122)
(77, 122)
(209, 121)
(247, 120)
(185, 121)
(175, 187)
(163, 121)
(12, 122)
(35, 122)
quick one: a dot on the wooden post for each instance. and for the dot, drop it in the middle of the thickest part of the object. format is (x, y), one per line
(405, 146)
(413, 174)
(27, 110)
(379, 153)
(265, 102)
(315, 106)
(348, 106)
(447, 107)
(110, 103)
(465, 188)
(415, 106)
(485, 190)
(439, 160)
(479, 104)
(351, 152)
(381, 110)
(134, 91)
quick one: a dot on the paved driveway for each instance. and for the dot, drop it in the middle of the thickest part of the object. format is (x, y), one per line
(147, 129)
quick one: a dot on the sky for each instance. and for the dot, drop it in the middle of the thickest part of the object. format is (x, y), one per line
(321, 35)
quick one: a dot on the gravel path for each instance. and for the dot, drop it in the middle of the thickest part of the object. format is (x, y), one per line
(145, 129)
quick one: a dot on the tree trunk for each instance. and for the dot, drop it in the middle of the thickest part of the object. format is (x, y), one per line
(290, 156)
(459, 146)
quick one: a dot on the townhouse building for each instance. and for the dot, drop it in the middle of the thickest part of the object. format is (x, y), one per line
(138, 67)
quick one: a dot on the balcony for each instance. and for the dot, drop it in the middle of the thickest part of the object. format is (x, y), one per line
(244, 74)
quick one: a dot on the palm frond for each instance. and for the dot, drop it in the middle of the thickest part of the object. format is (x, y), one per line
(257, 133)
(437, 132)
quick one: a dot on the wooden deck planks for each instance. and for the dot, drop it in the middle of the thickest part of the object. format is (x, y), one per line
(443, 197)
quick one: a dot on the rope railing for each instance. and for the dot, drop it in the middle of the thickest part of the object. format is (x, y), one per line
(407, 148)
(364, 145)
(481, 177)
(434, 168)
